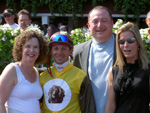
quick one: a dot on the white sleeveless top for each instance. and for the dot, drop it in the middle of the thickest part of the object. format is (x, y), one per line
(25, 95)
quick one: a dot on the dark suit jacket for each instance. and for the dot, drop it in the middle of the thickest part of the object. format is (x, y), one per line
(81, 54)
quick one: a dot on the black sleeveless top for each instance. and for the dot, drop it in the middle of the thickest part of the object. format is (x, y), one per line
(132, 89)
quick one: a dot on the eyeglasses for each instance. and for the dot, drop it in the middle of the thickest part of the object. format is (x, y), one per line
(7, 15)
(60, 37)
(129, 40)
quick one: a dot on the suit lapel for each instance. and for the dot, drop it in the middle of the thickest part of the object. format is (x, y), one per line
(84, 55)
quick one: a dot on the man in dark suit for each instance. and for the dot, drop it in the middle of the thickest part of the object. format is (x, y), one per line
(97, 55)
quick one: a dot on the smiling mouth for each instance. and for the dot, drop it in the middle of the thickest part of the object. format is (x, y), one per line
(126, 51)
(31, 55)
(100, 30)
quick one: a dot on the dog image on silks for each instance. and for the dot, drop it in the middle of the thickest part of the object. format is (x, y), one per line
(56, 94)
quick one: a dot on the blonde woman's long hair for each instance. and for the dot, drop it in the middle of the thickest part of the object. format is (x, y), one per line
(141, 50)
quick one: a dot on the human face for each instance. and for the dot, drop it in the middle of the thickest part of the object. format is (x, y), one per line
(100, 25)
(129, 50)
(64, 29)
(61, 53)
(24, 21)
(9, 19)
(31, 50)
(49, 31)
(148, 21)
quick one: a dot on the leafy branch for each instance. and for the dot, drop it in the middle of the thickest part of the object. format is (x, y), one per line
(135, 7)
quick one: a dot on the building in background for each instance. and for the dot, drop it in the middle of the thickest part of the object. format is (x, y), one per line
(44, 16)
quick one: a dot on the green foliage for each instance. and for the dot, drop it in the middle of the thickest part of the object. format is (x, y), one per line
(79, 35)
(24, 4)
(135, 7)
(6, 44)
(95, 2)
(11, 4)
(146, 40)
(7, 36)
(66, 6)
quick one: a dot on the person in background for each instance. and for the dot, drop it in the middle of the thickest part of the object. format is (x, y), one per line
(97, 55)
(24, 19)
(9, 17)
(59, 24)
(1, 20)
(44, 28)
(129, 78)
(20, 89)
(85, 27)
(67, 89)
(51, 30)
(63, 28)
(148, 21)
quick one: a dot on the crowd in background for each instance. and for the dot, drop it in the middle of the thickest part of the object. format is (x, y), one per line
(24, 19)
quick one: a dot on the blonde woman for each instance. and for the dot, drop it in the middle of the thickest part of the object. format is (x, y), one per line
(129, 78)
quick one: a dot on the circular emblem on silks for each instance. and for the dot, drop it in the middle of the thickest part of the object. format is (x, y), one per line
(57, 94)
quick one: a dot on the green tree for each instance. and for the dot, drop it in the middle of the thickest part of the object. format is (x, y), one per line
(135, 7)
